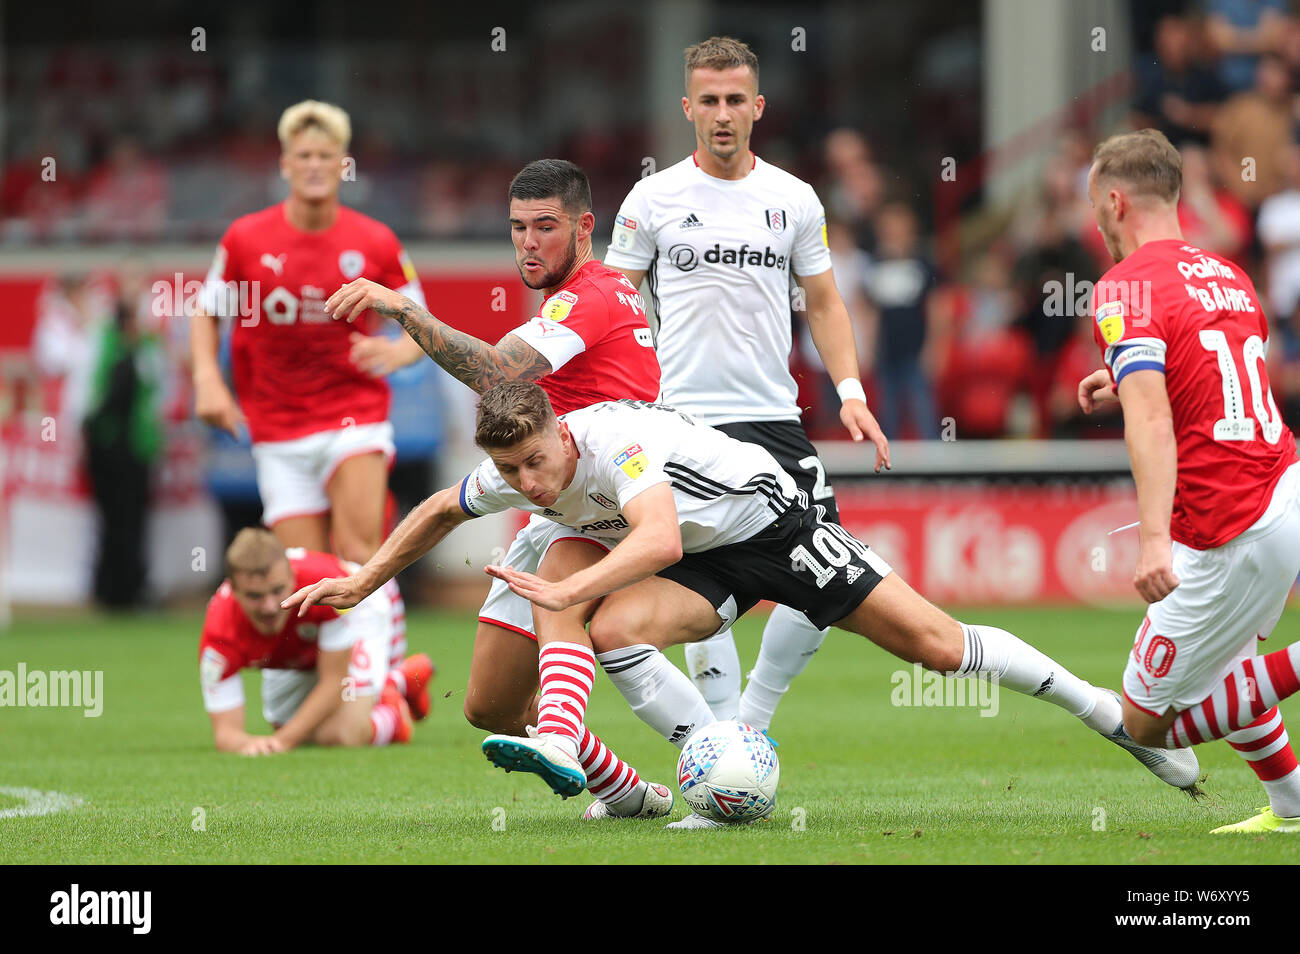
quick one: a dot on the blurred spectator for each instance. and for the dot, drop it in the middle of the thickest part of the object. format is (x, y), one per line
(1079, 358)
(1174, 93)
(901, 286)
(1249, 132)
(1212, 218)
(1284, 365)
(1061, 197)
(851, 266)
(1051, 279)
(855, 187)
(983, 362)
(127, 196)
(37, 191)
(122, 431)
(1239, 32)
(1279, 234)
(62, 345)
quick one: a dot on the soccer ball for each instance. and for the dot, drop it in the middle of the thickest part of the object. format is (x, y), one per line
(728, 772)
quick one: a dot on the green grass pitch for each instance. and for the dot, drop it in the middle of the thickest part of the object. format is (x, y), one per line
(861, 779)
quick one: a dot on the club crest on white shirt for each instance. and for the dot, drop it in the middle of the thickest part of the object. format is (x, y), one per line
(351, 263)
(775, 220)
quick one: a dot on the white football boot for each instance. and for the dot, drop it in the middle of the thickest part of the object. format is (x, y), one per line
(1177, 767)
(656, 801)
(695, 820)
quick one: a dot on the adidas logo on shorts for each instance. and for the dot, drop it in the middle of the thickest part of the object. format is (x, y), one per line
(853, 572)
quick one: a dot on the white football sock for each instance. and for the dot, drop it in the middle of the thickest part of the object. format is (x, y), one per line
(789, 642)
(1022, 668)
(714, 667)
(658, 692)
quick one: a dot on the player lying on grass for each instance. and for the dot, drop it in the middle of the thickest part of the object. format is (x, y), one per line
(327, 678)
(701, 527)
(1183, 337)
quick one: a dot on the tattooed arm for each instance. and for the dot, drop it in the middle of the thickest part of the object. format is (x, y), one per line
(466, 358)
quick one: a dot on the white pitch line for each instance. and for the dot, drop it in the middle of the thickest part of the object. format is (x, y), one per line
(38, 802)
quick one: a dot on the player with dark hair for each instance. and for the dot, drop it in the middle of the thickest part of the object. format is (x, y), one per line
(1183, 337)
(588, 342)
(701, 528)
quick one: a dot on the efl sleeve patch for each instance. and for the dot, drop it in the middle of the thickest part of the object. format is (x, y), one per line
(212, 666)
(625, 229)
(407, 268)
(1110, 319)
(632, 461)
(558, 306)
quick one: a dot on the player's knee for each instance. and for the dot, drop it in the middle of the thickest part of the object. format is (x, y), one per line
(489, 717)
(613, 629)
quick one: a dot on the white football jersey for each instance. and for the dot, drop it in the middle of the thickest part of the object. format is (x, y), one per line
(725, 490)
(718, 255)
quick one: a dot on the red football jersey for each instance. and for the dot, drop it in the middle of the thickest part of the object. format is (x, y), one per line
(1174, 308)
(292, 374)
(230, 643)
(594, 332)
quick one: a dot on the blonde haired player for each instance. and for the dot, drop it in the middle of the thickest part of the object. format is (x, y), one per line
(1183, 337)
(310, 391)
(327, 678)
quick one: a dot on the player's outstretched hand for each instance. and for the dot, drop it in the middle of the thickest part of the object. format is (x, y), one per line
(352, 300)
(1096, 389)
(262, 745)
(378, 356)
(861, 423)
(338, 592)
(547, 594)
(1155, 578)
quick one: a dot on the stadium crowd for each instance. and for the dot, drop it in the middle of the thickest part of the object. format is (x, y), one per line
(988, 345)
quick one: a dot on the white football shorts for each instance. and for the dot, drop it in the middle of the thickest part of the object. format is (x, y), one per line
(1228, 599)
(292, 475)
(503, 606)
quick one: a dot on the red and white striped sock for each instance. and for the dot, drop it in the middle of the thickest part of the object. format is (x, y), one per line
(1252, 687)
(609, 778)
(397, 679)
(383, 723)
(566, 672)
(1265, 747)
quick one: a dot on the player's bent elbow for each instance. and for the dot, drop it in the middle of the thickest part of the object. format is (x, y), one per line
(670, 548)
